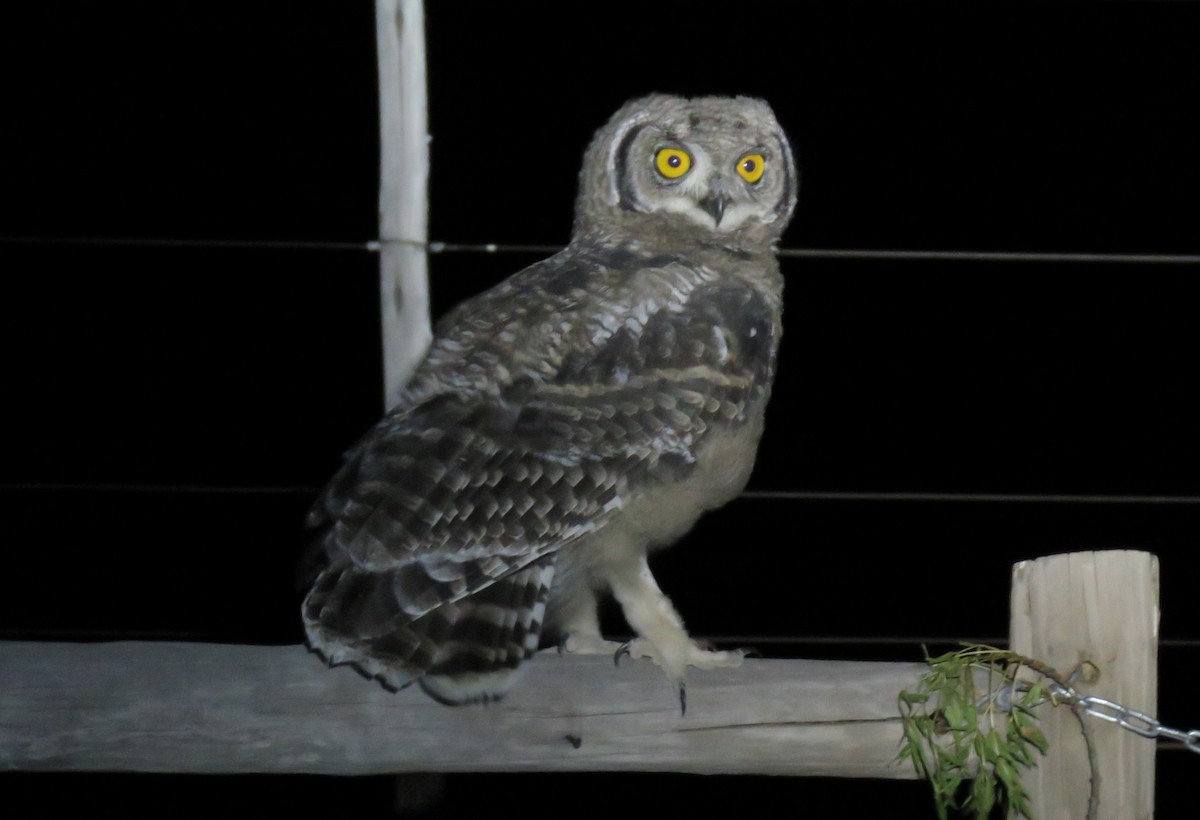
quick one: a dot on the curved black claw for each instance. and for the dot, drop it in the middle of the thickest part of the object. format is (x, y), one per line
(682, 698)
(751, 652)
(623, 649)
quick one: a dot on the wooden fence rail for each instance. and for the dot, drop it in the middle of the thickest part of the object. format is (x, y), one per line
(209, 708)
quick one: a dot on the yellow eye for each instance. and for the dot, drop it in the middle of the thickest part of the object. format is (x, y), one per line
(751, 167)
(672, 162)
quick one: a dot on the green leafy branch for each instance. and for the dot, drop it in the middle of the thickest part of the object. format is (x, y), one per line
(954, 731)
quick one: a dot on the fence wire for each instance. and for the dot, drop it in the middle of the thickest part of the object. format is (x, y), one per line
(440, 247)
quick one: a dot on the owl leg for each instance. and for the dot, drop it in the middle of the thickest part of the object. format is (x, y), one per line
(578, 623)
(663, 637)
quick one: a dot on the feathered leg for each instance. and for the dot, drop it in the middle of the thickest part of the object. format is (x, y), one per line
(663, 637)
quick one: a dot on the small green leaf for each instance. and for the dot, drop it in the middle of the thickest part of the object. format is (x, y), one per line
(1035, 694)
(1006, 772)
(1017, 750)
(955, 714)
(993, 744)
(980, 747)
(1033, 734)
(983, 797)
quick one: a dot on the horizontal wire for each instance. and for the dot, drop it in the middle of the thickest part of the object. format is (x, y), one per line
(37, 633)
(437, 247)
(756, 495)
(852, 253)
(490, 247)
(1003, 498)
(216, 489)
(233, 244)
(994, 256)
(883, 640)
(889, 640)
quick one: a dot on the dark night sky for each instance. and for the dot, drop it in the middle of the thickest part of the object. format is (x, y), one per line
(1064, 127)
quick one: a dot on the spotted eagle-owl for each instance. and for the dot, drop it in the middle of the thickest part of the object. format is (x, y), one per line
(565, 423)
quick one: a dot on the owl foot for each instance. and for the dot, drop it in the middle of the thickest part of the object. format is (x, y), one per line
(586, 645)
(697, 654)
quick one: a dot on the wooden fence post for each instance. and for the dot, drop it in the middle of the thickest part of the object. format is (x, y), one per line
(403, 190)
(1100, 607)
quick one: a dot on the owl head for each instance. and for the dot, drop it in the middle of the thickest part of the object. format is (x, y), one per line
(717, 170)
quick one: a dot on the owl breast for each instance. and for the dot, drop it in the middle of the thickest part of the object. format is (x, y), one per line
(722, 469)
(657, 518)
(710, 356)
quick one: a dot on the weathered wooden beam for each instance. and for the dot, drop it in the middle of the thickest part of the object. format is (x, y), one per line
(403, 190)
(208, 708)
(1099, 607)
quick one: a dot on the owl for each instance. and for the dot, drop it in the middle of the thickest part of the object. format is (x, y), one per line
(571, 420)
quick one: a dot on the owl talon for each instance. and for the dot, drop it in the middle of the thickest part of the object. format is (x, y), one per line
(625, 650)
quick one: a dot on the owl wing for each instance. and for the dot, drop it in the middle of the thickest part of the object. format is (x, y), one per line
(441, 527)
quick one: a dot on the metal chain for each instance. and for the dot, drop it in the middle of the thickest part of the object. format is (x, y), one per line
(1137, 722)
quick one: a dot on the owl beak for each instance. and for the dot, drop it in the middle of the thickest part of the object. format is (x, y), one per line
(715, 204)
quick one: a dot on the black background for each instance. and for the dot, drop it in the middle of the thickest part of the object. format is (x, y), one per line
(189, 321)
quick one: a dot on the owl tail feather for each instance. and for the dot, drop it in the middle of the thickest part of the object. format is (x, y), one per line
(464, 651)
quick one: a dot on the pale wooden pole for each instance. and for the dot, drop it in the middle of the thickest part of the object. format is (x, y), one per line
(403, 190)
(1102, 608)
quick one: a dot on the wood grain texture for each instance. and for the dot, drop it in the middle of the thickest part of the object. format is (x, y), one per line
(1100, 607)
(210, 708)
(403, 190)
